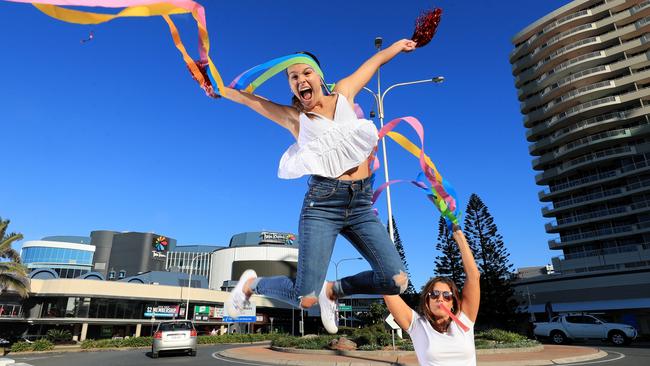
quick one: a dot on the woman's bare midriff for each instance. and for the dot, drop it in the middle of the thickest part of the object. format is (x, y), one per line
(362, 171)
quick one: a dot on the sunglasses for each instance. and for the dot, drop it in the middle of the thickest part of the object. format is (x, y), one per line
(447, 295)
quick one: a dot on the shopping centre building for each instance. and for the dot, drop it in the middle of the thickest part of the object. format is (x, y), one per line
(113, 284)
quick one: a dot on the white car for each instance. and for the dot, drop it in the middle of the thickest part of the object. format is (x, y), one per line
(582, 326)
(174, 335)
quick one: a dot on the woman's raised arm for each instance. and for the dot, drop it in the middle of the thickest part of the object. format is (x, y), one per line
(352, 85)
(285, 116)
(472, 287)
(402, 313)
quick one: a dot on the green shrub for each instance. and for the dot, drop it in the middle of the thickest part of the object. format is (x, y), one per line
(137, 342)
(59, 335)
(89, 343)
(497, 338)
(42, 345)
(404, 344)
(501, 336)
(374, 334)
(370, 347)
(318, 342)
(21, 347)
(238, 338)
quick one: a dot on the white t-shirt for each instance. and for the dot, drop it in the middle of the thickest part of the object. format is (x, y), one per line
(454, 348)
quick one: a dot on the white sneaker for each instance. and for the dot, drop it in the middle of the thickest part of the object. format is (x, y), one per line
(327, 311)
(238, 300)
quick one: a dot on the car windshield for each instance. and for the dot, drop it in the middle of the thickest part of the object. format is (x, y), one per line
(175, 326)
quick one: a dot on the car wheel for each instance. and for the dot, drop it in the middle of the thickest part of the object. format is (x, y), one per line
(193, 353)
(557, 337)
(618, 338)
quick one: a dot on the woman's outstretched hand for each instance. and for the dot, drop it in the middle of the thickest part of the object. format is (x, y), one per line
(405, 45)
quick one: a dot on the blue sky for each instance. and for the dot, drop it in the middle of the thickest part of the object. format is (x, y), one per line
(114, 134)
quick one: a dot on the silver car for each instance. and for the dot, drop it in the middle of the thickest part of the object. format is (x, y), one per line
(174, 335)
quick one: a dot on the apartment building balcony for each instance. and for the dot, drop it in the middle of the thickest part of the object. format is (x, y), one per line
(569, 21)
(583, 161)
(600, 234)
(624, 255)
(546, 194)
(590, 126)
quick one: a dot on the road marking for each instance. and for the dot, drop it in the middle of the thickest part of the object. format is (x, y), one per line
(36, 358)
(620, 356)
(218, 357)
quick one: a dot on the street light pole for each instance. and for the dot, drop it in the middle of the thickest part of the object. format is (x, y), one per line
(189, 285)
(336, 271)
(379, 100)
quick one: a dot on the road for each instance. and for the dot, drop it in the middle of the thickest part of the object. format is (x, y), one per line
(634, 355)
(206, 355)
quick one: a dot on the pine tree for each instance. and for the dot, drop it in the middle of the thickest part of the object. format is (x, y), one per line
(498, 306)
(410, 290)
(449, 263)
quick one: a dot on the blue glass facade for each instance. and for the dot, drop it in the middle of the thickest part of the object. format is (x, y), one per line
(56, 255)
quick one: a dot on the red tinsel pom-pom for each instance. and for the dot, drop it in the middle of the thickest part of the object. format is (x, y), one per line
(425, 26)
(206, 85)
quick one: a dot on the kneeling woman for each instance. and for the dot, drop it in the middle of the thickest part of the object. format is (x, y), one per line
(442, 330)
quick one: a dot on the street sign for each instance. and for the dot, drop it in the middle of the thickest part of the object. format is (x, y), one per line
(345, 308)
(390, 320)
(241, 319)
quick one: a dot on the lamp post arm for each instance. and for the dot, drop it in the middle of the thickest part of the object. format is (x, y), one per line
(437, 79)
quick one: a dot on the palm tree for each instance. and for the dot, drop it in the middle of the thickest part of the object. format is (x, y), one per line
(13, 274)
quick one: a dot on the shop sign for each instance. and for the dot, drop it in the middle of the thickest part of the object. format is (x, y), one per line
(162, 311)
(280, 238)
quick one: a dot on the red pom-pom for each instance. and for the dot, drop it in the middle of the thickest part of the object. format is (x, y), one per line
(425, 26)
(206, 85)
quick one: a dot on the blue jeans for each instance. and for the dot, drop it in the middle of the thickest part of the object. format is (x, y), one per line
(333, 206)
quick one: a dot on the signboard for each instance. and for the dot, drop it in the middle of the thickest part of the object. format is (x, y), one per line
(161, 311)
(201, 309)
(279, 238)
(249, 309)
(390, 320)
(241, 319)
(345, 307)
(216, 312)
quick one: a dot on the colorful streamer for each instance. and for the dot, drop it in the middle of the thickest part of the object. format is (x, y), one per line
(454, 317)
(142, 8)
(443, 193)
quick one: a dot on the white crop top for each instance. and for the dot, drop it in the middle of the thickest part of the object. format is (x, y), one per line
(454, 348)
(327, 147)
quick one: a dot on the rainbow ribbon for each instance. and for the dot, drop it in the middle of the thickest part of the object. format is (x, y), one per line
(444, 195)
(142, 8)
(252, 78)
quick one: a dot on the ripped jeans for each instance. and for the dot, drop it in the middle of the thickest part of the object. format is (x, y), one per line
(331, 207)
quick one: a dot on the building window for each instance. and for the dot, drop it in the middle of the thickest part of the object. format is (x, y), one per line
(111, 275)
(122, 274)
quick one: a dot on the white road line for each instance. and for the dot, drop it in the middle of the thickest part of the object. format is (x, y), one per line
(218, 357)
(620, 356)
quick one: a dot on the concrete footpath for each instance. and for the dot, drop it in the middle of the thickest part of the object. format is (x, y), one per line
(542, 355)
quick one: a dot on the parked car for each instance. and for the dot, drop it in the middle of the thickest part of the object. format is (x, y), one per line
(567, 327)
(174, 335)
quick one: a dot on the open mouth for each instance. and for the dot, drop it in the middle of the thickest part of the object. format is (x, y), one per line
(305, 93)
